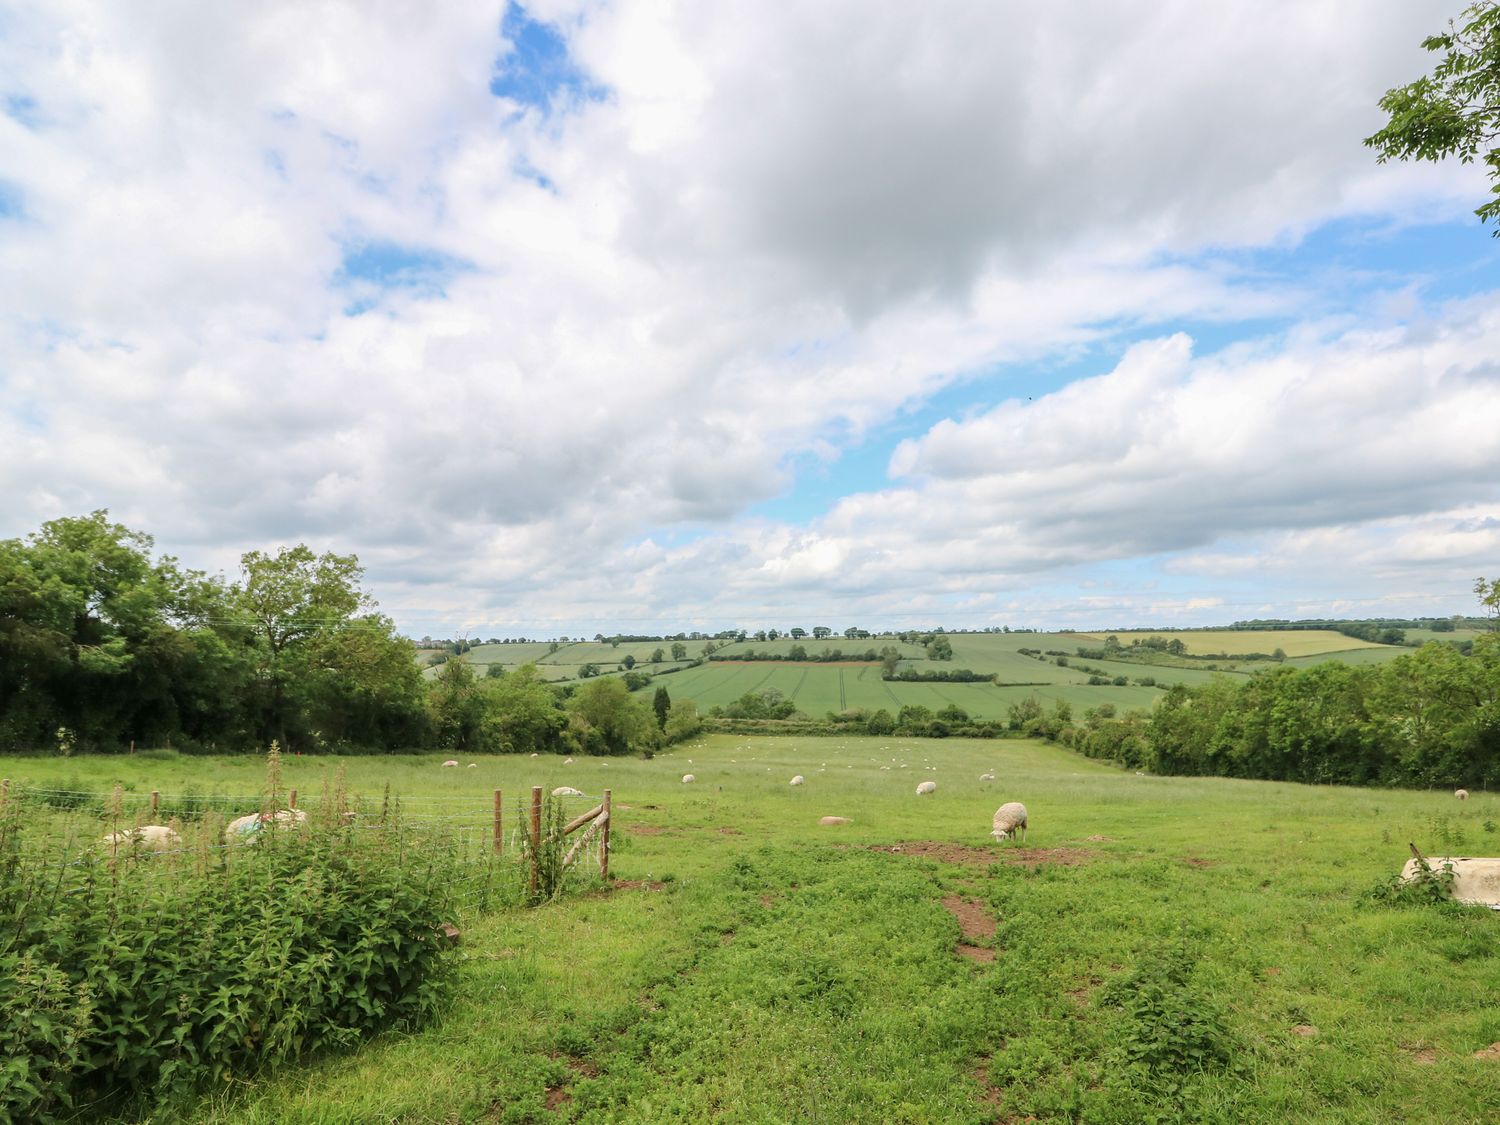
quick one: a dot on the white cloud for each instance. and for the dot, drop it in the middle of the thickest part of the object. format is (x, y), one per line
(781, 227)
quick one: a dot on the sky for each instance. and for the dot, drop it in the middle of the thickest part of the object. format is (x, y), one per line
(659, 316)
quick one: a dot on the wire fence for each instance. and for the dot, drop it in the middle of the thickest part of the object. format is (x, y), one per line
(503, 846)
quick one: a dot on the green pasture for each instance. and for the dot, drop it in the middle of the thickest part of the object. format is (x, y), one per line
(1164, 949)
(1293, 642)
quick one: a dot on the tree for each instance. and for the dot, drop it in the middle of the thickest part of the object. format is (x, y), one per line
(628, 661)
(798, 633)
(821, 631)
(608, 721)
(522, 714)
(287, 599)
(679, 651)
(1455, 111)
(588, 670)
(1488, 594)
(661, 703)
(940, 648)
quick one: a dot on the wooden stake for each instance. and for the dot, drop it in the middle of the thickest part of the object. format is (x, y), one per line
(536, 837)
(499, 835)
(582, 841)
(579, 821)
(155, 803)
(291, 799)
(604, 840)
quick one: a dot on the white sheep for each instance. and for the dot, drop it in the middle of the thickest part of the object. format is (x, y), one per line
(832, 821)
(566, 791)
(1010, 818)
(473, 765)
(450, 764)
(688, 779)
(147, 838)
(798, 780)
(248, 826)
(926, 787)
(987, 776)
(1461, 794)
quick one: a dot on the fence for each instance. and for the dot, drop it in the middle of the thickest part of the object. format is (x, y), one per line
(470, 828)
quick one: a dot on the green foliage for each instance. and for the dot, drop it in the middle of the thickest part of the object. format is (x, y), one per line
(158, 972)
(1169, 1026)
(1455, 111)
(1428, 886)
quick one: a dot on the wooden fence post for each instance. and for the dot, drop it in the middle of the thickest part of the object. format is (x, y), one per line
(536, 837)
(4, 791)
(155, 803)
(604, 841)
(291, 799)
(499, 835)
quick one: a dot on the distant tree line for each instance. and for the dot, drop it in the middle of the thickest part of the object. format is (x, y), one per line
(103, 646)
(1428, 717)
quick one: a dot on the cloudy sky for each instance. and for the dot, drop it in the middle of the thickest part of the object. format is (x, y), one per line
(632, 316)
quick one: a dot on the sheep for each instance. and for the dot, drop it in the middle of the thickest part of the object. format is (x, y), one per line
(798, 780)
(450, 764)
(473, 765)
(147, 838)
(1461, 794)
(831, 821)
(1010, 818)
(248, 826)
(987, 776)
(688, 779)
(926, 787)
(566, 791)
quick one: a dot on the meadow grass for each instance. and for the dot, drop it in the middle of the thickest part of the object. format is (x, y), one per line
(1202, 642)
(1165, 948)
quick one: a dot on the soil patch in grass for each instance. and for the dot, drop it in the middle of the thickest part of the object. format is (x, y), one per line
(646, 830)
(639, 885)
(983, 857)
(975, 924)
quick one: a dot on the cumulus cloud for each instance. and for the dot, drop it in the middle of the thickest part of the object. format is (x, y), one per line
(296, 272)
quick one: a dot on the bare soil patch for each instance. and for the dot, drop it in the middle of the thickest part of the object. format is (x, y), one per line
(982, 857)
(975, 925)
(726, 831)
(1198, 861)
(645, 830)
(1306, 1030)
(1491, 1053)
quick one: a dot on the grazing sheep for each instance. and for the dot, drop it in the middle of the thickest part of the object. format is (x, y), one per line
(688, 779)
(798, 780)
(926, 787)
(450, 764)
(249, 826)
(473, 765)
(1010, 818)
(148, 838)
(566, 791)
(987, 776)
(830, 821)
(1461, 794)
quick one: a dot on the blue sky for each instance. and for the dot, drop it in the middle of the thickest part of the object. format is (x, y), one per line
(580, 316)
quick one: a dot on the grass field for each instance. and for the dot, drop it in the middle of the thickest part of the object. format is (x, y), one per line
(1293, 642)
(753, 966)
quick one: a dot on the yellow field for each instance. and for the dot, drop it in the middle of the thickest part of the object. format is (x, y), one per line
(1233, 642)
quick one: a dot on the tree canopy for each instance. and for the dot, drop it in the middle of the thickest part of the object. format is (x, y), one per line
(1454, 111)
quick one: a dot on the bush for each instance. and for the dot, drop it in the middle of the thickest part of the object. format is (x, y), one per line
(159, 972)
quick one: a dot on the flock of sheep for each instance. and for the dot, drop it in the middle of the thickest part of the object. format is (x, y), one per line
(1009, 821)
(161, 838)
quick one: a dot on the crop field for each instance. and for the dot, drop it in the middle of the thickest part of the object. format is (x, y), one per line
(1157, 949)
(1293, 642)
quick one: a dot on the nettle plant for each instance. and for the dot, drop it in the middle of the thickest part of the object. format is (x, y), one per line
(133, 973)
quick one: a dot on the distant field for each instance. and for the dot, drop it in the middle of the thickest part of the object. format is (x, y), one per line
(1293, 642)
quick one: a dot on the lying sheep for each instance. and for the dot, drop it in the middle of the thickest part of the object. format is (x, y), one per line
(566, 791)
(926, 787)
(987, 776)
(1461, 794)
(1010, 818)
(246, 827)
(688, 779)
(798, 780)
(832, 821)
(147, 838)
(450, 764)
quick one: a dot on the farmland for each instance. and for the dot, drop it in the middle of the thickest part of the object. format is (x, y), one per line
(753, 966)
(818, 688)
